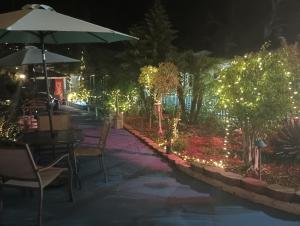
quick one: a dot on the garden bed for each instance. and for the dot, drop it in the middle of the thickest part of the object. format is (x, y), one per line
(208, 150)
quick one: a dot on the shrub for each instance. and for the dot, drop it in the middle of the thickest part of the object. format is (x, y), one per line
(211, 125)
(286, 143)
(179, 145)
(8, 130)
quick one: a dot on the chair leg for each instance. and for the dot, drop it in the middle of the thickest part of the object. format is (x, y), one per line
(70, 182)
(104, 169)
(1, 198)
(77, 177)
(76, 171)
(100, 163)
(41, 196)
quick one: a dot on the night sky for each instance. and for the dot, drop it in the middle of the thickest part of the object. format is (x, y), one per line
(221, 26)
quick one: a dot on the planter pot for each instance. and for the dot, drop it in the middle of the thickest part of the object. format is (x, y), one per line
(252, 184)
(231, 178)
(280, 192)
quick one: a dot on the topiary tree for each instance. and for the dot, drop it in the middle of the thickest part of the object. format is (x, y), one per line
(146, 80)
(165, 81)
(257, 91)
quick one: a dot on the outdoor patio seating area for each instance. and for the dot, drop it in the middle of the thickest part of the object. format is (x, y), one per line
(142, 190)
(151, 119)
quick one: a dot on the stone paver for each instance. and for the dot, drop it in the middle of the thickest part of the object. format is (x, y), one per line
(143, 190)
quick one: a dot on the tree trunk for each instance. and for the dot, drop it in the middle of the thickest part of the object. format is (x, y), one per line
(199, 105)
(182, 103)
(158, 107)
(193, 107)
(150, 120)
(248, 146)
(147, 103)
(256, 159)
(196, 106)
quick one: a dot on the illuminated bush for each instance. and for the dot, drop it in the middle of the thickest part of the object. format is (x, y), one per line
(8, 130)
(124, 102)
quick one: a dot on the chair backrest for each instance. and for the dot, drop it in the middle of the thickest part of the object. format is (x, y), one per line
(16, 162)
(32, 105)
(59, 122)
(104, 131)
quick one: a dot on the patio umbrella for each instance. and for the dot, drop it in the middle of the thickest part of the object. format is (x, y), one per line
(42, 24)
(32, 55)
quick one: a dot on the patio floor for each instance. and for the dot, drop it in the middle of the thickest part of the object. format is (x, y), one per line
(142, 190)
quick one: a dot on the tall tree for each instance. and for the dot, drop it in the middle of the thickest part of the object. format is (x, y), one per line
(197, 66)
(156, 38)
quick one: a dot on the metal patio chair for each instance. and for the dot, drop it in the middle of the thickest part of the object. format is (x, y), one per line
(18, 169)
(95, 151)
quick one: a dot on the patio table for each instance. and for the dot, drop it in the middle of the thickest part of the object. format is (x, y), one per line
(59, 137)
(68, 138)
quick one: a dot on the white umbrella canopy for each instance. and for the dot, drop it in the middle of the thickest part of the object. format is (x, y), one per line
(32, 55)
(41, 24)
(36, 22)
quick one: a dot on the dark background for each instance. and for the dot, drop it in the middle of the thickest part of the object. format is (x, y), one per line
(222, 26)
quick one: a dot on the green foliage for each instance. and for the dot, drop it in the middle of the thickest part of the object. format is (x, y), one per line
(156, 37)
(257, 89)
(170, 110)
(210, 124)
(179, 145)
(160, 33)
(8, 86)
(124, 102)
(161, 80)
(286, 142)
(146, 78)
(171, 126)
(8, 130)
(199, 68)
(83, 94)
(166, 79)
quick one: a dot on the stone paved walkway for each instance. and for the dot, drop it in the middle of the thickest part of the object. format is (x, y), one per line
(143, 190)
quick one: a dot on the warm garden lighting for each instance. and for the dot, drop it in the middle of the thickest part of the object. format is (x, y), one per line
(20, 76)
(119, 101)
(8, 130)
(81, 97)
(70, 96)
(147, 76)
(257, 76)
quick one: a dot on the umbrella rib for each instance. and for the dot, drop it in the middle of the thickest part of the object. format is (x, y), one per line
(55, 40)
(92, 34)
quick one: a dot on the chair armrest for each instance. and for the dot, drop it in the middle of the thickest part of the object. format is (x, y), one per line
(55, 162)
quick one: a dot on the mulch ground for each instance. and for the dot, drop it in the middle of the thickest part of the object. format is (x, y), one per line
(210, 151)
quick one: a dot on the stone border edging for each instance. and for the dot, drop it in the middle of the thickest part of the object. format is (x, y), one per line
(248, 188)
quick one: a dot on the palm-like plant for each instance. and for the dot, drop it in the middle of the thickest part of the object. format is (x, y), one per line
(286, 143)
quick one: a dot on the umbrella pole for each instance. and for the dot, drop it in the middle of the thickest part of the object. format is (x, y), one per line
(47, 86)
